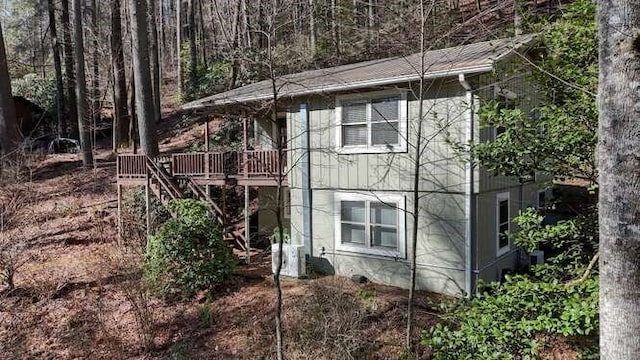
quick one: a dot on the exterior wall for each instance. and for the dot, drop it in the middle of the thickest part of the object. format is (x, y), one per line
(267, 220)
(444, 183)
(263, 133)
(489, 266)
(511, 76)
(441, 242)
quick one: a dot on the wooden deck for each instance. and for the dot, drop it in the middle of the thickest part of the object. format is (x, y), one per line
(252, 168)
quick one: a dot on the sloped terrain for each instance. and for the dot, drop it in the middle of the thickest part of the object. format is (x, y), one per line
(78, 294)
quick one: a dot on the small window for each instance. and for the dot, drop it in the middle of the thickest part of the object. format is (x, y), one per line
(371, 124)
(503, 221)
(542, 200)
(372, 225)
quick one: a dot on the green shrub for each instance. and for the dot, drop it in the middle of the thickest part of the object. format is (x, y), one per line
(187, 254)
(513, 319)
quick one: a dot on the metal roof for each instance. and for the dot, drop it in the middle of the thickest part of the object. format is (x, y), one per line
(472, 58)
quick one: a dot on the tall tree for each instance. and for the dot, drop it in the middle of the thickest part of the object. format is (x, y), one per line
(55, 44)
(618, 163)
(193, 51)
(8, 127)
(154, 57)
(142, 77)
(121, 113)
(95, 81)
(179, 44)
(81, 87)
(69, 71)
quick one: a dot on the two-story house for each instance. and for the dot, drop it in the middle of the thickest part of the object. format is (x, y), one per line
(357, 145)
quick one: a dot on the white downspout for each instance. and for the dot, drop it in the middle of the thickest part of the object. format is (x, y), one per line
(470, 208)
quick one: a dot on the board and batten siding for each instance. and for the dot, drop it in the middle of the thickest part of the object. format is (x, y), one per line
(441, 243)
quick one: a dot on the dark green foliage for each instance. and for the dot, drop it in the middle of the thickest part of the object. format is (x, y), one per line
(559, 136)
(209, 80)
(513, 320)
(36, 89)
(188, 254)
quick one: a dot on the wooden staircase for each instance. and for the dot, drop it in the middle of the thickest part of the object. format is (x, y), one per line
(167, 188)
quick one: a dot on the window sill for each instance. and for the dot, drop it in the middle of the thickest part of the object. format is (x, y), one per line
(370, 150)
(370, 251)
(503, 251)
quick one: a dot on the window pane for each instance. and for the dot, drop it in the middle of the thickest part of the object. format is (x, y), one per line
(353, 234)
(384, 110)
(354, 113)
(503, 239)
(384, 214)
(352, 211)
(504, 211)
(354, 135)
(384, 133)
(384, 237)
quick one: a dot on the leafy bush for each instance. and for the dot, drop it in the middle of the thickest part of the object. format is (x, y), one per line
(40, 91)
(209, 80)
(513, 319)
(188, 253)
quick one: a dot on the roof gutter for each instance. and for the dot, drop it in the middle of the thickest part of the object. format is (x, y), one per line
(345, 87)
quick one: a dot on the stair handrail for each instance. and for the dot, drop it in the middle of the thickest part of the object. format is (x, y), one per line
(163, 179)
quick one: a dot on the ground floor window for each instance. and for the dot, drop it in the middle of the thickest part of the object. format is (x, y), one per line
(503, 220)
(370, 224)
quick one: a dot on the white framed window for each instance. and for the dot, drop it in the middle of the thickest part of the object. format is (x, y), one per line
(503, 223)
(370, 224)
(373, 122)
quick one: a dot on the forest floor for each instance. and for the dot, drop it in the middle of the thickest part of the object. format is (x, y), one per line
(78, 294)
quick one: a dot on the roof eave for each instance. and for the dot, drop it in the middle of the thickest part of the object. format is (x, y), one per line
(345, 87)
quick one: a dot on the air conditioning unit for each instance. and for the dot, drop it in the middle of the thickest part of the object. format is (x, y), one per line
(293, 260)
(536, 257)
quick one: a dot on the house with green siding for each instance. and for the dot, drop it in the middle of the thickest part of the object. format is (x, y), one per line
(342, 145)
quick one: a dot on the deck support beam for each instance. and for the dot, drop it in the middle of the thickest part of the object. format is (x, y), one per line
(147, 200)
(119, 239)
(247, 232)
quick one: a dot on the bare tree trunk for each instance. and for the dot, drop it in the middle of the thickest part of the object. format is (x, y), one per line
(179, 44)
(517, 20)
(55, 44)
(72, 107)
(202, 35)
(335, 34)
(417, 162)
(312, 27)
(155, 62)
(8, 126)
(81, 87)
(193, 51)
(121, 113)
(618, 163)
(95, 83)
(142, 77)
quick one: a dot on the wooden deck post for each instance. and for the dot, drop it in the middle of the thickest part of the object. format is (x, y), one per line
(119, 239)
(245, 147)
(247, 232)
(148, 205)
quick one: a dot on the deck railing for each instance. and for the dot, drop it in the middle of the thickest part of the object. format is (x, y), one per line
(132, 166)
(210, 165)
(263, 163)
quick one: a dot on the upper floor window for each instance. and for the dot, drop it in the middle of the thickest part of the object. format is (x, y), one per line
(371, 123)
